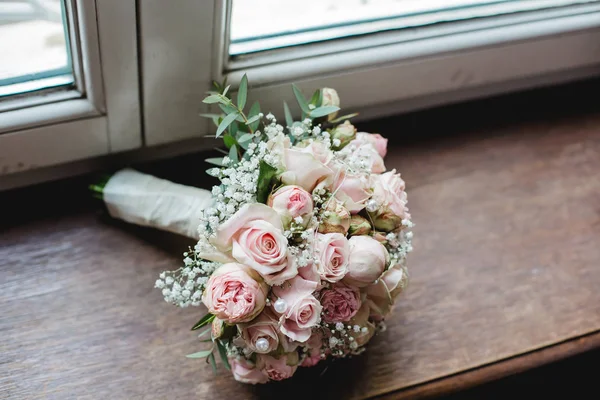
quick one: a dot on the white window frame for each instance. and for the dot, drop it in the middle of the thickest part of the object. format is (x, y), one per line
(101, 115)
(431, 65)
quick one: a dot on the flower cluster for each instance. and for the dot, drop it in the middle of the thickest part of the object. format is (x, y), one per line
(304, 252)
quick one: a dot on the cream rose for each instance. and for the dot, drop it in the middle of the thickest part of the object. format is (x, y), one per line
(235, 293)
(366, 151)
(301, 310)
(381, 295)
(367, 261)
(261, 334)
(291, 202)
(352, 190)
(389, 194)
(333, 251)
(303, 169)
(254, 237)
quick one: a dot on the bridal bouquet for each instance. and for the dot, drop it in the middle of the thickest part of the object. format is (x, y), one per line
(302, 246)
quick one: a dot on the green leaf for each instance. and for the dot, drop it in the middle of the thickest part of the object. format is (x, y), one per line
(223, 354)
(266, 173)
(242, 92)
(254, 110)
(200, 354)
(233, 155)
(233, 129)
(214, 161)
(228, 140)
(253, 119)
(213, 363)
(211, 115)
(212, 99)
(323, 111)
(300, 99)
(343, 117)
(245, 140)
(314, 100)
(226, 90)
(226, 122)
(207, 319)
(289, 120)
(204, 333)
(227, 109)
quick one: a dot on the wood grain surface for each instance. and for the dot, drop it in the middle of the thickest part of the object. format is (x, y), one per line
(506, 262)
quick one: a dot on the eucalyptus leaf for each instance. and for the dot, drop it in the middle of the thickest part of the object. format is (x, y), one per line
(289, 120)
(233, 154)
(212, 99)
(228, 140)
(242, 92)
(200, 354)
(207, 319)
(227, 109)
(254, 110)
(226, 122)
(211, 115)
(300, 99)
(253, 119)
(343, 117)
(214, 161)
(226, 90)
(233, 129)
(323, 111)
(266, 173)
(314, 100)
(213, 363)
(223, 354)
(246, 137)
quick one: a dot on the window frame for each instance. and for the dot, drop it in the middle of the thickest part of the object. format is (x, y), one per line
(100, 115)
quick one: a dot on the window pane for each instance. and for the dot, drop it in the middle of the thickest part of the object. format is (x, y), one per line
(33, 46)
(258, 25)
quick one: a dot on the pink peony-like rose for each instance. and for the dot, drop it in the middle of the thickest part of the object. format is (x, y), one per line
(314, 345)
(291, 202)
(302, 309)
(246, 372)
(333, 251)
(264, 327)
(352, 190)
(278, 369)
(368, 259)
(340, 302)
(303, 169)
(388, 191)
(254, 237)
(378, 141)
(235, 293)
(382, 295)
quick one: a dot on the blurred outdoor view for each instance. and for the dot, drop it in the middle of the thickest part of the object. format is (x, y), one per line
(32, 43)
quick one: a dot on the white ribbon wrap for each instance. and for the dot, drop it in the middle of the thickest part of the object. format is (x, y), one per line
(148, 201)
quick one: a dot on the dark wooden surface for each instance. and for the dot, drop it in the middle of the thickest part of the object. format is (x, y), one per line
(505, 276)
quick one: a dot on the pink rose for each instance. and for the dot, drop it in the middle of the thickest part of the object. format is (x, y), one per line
(278, 369)
(291, 202)
(301, 310)
(254, 237)
(319, 150)
(333, 250)
(340, 302)
(378, 141)
(234, 294)
(303, 169)
(352, 190)
(313, 354)
(368, 258)
(261, 335)
(246, 372)
(366, 151)
(310, 273)
(382, 295)
(388, 192)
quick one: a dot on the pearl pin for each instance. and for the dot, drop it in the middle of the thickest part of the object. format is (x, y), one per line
(262, 345)
(372, 206)
(280, 306)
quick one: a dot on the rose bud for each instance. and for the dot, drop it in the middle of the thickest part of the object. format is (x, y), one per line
(380, 237)
(335, 218)
(330, 98)
(359, 226)
(235, 293)
(217, 328)
(367, 261)
(291, 202)
(345, 133)
(366, 329)
(381, 295)
(386, 220)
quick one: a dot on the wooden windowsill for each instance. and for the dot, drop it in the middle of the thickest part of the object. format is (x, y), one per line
(504, 277)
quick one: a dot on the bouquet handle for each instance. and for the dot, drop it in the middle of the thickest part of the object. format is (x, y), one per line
(145, 200)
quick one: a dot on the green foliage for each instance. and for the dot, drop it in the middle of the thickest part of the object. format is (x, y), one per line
(223, 354)
(218, 161)
(200, 354)
(254, 110)
(229, 140)
(242, 92)
(289, 120)
(343, 117)
(207, 319)
(323, 111)
(233, 154)
(213, 363)
(300, 99)
(266, 173)
(226, 122)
